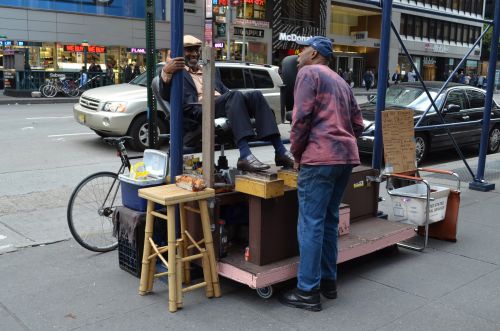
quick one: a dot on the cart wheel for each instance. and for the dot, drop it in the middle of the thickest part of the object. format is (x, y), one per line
(265, 292)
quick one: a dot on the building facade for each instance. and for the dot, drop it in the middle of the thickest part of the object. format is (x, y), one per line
(53, 31)
(436, 43)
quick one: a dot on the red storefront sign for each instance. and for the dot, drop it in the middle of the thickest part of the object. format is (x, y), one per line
(80, 48)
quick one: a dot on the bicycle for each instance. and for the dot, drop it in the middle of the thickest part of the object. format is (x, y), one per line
(93, 201)
(60, 84)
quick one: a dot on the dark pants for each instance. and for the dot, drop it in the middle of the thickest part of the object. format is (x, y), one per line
(240, 107)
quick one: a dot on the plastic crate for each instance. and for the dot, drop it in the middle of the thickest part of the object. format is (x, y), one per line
(409, 204)
(130, 254)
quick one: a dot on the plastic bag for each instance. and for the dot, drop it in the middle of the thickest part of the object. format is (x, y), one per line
(138, 171)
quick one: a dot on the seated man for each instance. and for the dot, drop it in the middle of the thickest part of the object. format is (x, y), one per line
(238, 107)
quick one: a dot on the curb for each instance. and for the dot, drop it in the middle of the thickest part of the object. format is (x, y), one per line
(36, 101)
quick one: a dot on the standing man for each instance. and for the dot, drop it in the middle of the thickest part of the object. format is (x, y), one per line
(326, 121)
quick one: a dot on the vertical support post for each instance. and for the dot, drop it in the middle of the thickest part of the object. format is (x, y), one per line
(382, 81)
(150, 73)
(243, 45)
(479, 184)
(228, 34)
(176, 117)
(208, 116)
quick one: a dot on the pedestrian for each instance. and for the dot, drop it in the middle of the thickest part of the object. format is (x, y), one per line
(349, 78)
(110, 74)
(128, 73)
(395, 77)
(238, 107)
(326, 122)
(137, 70)
(368, 79)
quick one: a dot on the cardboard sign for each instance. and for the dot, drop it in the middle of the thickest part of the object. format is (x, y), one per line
(399, 141)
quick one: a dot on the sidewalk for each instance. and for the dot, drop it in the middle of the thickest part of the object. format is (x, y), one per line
(450, 286)
(8, 100)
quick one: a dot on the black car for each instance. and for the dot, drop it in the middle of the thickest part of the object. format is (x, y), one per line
(458, 104)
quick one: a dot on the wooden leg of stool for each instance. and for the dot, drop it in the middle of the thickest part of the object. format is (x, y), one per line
(152, 271)
(187, 272)
(179, 270)
(172, 283)
(207, 274)
(148, 232)
(209, 244)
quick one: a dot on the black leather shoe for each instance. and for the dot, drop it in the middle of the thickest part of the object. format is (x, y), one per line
(250, 163)
(328, 288)
(302, 299)
(284, 160)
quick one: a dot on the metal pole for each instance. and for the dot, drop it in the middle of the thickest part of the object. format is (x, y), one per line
(85, 50)
(243, 46)
(479, 183)
(150, 73)
(228, 35)
(383, 64)
(176, 118)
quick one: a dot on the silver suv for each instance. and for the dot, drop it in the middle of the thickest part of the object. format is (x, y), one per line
(119, 110)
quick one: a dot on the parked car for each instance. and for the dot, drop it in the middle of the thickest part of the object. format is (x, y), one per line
(119, 110)
(458, 104)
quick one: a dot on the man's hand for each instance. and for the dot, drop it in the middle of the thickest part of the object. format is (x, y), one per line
(296, 166)
(174, 65)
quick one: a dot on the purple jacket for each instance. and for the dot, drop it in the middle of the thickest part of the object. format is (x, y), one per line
(326, 118)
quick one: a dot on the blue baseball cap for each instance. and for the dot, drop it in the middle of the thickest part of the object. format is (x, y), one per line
(322, 44)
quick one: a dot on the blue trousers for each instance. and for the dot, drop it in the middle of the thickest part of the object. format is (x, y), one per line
(320, 190)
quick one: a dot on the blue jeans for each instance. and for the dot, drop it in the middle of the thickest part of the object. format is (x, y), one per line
(320, 190)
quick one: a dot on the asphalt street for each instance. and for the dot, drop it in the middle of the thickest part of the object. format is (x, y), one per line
(51, 283)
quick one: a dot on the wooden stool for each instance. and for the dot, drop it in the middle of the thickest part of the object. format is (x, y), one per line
(178, 259)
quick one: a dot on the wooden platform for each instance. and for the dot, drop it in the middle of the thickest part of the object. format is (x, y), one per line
(366, 236)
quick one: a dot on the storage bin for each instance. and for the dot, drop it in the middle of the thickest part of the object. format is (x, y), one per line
(409, 203)
(155, 163)
(129, 228)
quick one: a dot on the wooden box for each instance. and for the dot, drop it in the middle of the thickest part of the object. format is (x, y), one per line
(289, 177)
(260, 188)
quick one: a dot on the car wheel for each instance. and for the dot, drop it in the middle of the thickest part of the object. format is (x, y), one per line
(421, 147)
(494, 140)
(140, 134)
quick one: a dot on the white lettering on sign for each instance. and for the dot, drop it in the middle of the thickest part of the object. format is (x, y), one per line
(436, 48)
(292, 37)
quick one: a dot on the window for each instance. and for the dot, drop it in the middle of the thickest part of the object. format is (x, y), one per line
(432, 29)
(425, 28)
(261, 79)
(468, 5)
(459, 33)
(410, 25)
(456, 97)
(453, 32)
(446, 31)
(476, 99)
(439, 30)
(465, 33)
(402, 25)
(455, 5)
(232, 77)
(418, 27)
(479, 7)
(301, 13)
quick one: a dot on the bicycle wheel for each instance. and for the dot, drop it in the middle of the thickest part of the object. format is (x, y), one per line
(90, 211)
(72, 90)
(49, 91)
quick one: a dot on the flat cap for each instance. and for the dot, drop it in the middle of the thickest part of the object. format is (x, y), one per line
(190, 41)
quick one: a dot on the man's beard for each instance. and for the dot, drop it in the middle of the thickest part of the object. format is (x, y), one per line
(191, 63)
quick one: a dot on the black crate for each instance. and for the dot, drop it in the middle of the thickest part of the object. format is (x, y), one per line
(130, 255)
